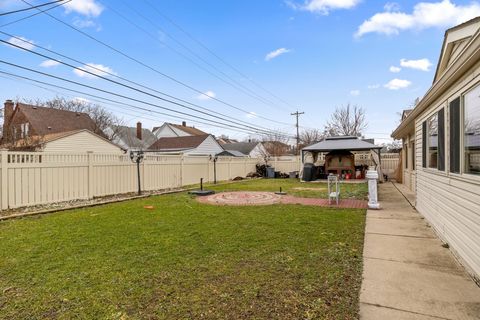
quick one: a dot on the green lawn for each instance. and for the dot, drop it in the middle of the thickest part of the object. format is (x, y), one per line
(296, 188)
(183, 260)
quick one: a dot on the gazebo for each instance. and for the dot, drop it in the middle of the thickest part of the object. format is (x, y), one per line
(336, 155)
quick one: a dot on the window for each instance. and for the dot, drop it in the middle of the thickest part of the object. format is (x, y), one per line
(471, 130)
(432, 141)
(412, 153)
(405, 150)
(25, 128)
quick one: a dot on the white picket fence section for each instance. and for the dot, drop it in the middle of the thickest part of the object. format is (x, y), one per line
(28, 179)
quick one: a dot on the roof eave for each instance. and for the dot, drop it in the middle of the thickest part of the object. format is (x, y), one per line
(453, 73)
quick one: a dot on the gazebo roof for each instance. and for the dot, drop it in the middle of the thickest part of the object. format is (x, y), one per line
(349, 143)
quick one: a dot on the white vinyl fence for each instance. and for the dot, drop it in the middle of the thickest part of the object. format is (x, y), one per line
(34, 178)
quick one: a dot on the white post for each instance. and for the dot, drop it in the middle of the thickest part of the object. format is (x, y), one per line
(372, 177)
(181, 170)
(91, 185)
(4, 182)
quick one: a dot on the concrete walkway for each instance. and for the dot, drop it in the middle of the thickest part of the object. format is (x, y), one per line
(407, 273)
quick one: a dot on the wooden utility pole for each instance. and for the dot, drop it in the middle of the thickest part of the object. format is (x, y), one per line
(297, 114)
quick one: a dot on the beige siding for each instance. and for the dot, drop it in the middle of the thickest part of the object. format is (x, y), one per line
(82, 141)
(451, 202)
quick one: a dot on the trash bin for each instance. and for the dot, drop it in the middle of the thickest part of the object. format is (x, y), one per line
(270, 172)
(308, 172)
(293, 174)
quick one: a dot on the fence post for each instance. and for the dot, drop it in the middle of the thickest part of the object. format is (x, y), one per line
(229, 168)
(181, 170)
(91, 186)
(4, 182)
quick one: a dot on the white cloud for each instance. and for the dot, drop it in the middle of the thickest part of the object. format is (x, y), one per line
(49, 63)
(324, 6)
(97, 69)
(421, 64)
(373, 86)
(89, 8)
(27, 44)
(251, 115)
(355, 93)
(206, 95)
(395, 69)
(397, 84)
(424, 15)
(276, 53)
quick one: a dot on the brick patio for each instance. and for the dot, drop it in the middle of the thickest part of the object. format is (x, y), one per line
(250, 198)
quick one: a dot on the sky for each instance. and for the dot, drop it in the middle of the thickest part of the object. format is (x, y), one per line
(253, 61)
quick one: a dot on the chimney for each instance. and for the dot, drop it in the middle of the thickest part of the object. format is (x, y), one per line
(184, 123)
(7, 116)
(139, 130)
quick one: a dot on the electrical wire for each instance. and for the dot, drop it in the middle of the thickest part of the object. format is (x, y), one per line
(31, 8)
(126, 97)
(232, 82)
(150, 67)
(113, 75)
(201, 44)
(35, 14)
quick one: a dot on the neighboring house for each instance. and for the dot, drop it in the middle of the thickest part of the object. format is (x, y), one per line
(225, 140)
(251, 149)
(22, 121)
(278, 148)
(169, 130)
(76, 141)
(441, 146)
(231, 153)
(132, 139)
(192, 145)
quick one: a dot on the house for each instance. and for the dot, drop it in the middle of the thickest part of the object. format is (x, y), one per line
(191, 145)
(278, 148)
(231, 153)
(224, 140)
(132, 138)
(251, 149)
(168, 130)
(441, 146)
(22, 121)
(76, 141)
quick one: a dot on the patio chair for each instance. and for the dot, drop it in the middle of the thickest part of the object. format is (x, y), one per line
(333, 189)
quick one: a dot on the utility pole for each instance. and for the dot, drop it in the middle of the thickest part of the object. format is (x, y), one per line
(297, 114)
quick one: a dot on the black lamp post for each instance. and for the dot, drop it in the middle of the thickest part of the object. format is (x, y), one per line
(137, 157)
(214, 159)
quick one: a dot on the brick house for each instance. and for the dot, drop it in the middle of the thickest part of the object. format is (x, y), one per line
(24, 122)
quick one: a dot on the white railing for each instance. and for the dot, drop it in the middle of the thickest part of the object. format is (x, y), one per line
(36, 178)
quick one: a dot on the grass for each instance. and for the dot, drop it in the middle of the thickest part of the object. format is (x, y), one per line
(183, 260)
(296, 188)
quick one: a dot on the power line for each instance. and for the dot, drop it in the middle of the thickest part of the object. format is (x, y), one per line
(257, 131)
(35, 14)
(232, 82)
(31, 8)
(214, 54)
(113, 75)
(150, 67)
(124, 85)
(102, 100)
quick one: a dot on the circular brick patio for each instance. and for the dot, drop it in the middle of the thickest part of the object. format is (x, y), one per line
(251, 198)
(242, 198)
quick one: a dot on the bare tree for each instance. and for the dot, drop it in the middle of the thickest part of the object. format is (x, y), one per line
(347, 121)
(310, 136)
(102, 118)
(276, 143)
